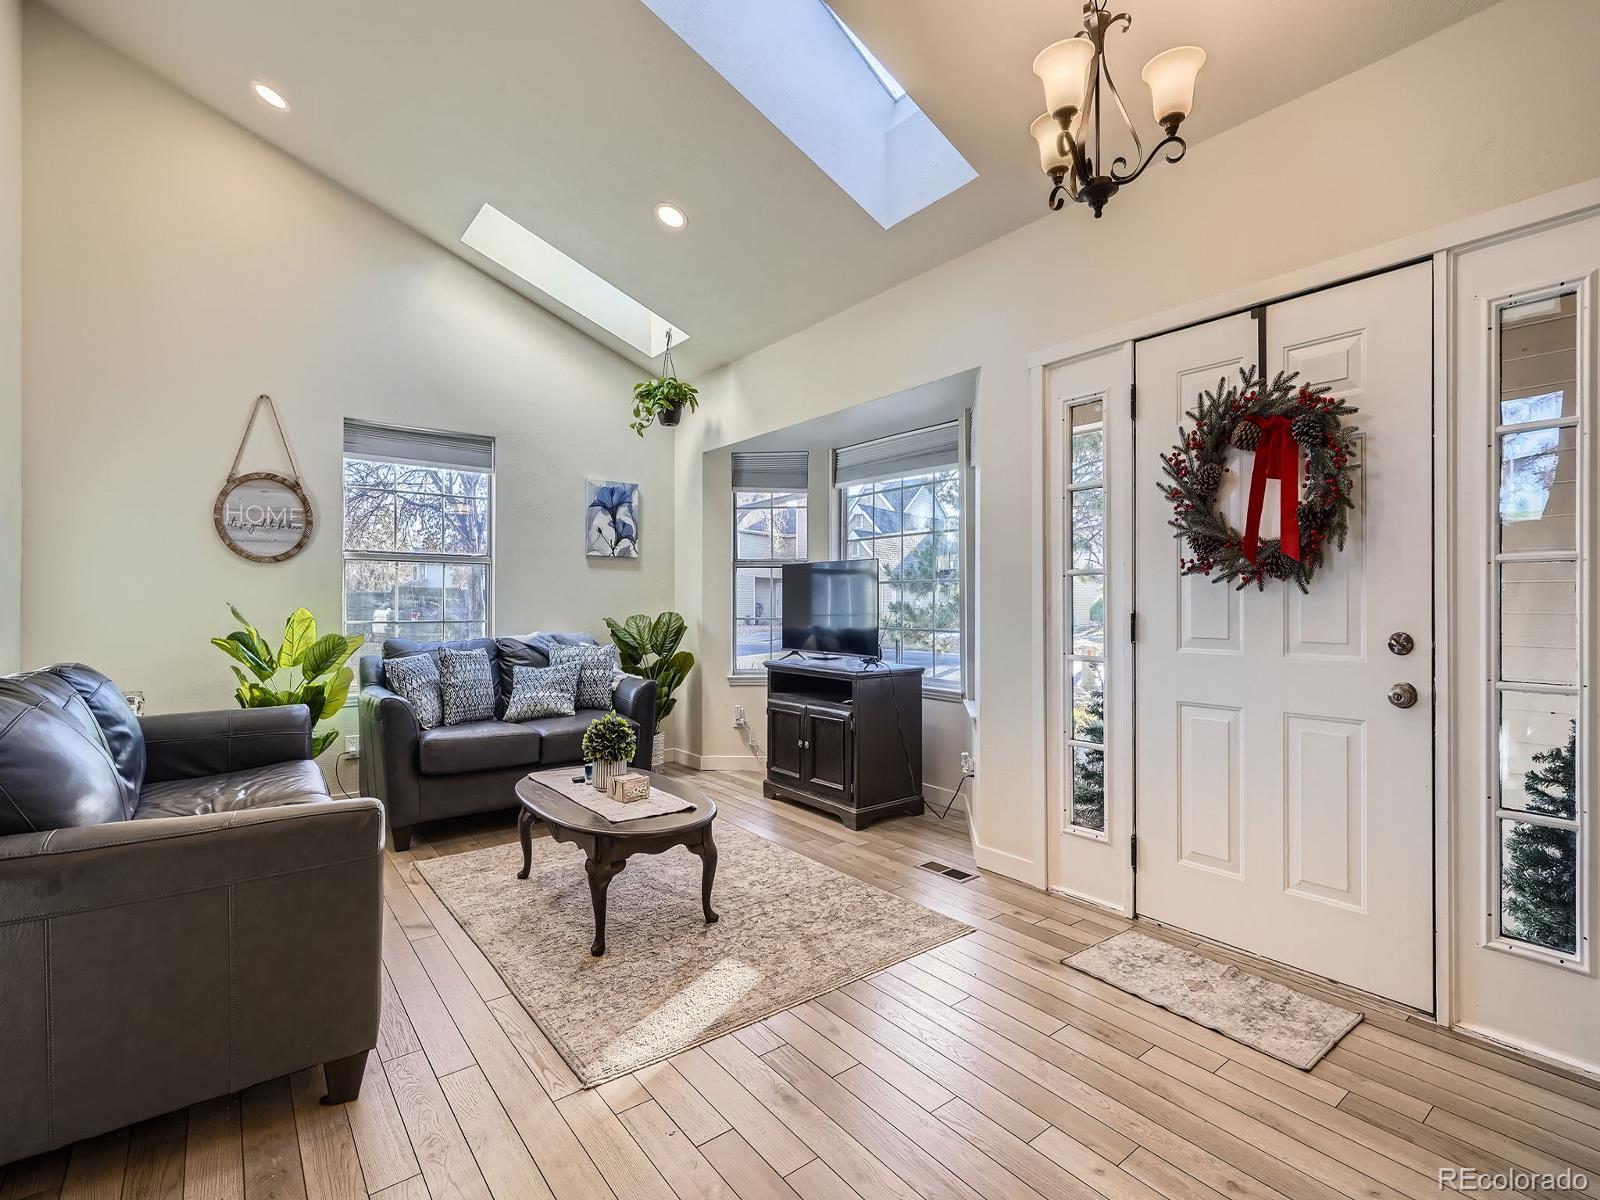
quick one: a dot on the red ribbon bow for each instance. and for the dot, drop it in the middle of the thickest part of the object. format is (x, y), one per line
(1277, 457)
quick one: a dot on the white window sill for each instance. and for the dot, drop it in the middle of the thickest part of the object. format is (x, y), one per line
(945, 694)
(748, 680)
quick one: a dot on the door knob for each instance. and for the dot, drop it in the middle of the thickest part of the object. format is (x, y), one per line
(1402, 695)
(1401, 643)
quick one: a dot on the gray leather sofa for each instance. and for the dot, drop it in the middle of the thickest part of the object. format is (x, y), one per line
(184, 911)
(451, 770)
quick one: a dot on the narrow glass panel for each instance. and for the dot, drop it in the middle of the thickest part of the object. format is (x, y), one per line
(789, 526)
(1089, 530)
(947, 500)
(419, 591)
(917, 508)
(466, 593)
(1538, 753)
(947, 606)
(419, 521)
(1088, 442)
(368, 519)
(947, 658)
(757, 615)
(916, 648)
(1538, 490)
(947, 555)
(1539, 622)
(456, 631)
(1088, 789)
(1088, 701)
(466, 525)
(859, 549)
(753, 530)
(921, 560)
(1089, 615)
(916, 605)
(1539, 885)
(1539, 359)
(419, 631)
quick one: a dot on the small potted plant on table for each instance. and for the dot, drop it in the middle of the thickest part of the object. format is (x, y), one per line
(609, 745)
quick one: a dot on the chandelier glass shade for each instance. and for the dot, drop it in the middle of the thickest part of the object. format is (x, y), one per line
(1080, 96)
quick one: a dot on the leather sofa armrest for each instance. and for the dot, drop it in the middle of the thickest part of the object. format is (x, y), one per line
(189, 745)
(390, 768)
(635, 698)
(64, 871)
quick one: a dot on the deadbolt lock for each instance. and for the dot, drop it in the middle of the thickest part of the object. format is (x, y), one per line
(1401, 643)
(1402, 695)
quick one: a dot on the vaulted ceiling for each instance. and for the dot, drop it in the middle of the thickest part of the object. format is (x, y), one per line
(575, 117)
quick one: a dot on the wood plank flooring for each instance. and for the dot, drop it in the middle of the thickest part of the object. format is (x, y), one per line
(982, 1068)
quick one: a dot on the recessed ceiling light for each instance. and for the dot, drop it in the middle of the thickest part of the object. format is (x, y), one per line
(270, 95)
(671, 216)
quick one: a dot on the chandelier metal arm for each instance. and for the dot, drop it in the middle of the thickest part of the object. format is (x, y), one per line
(1171, 140)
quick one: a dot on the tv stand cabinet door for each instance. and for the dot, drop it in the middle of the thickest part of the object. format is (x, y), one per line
(829, 757)
(786, 739)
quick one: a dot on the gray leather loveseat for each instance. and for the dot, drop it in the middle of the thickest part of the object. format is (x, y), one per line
(183, 910)
(451, 770)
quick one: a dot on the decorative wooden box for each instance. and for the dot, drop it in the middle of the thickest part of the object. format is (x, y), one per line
(628, 788)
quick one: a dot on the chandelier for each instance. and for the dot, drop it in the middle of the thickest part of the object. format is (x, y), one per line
(1071, 149)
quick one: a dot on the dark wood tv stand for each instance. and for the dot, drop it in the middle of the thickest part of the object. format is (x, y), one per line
(844, 736)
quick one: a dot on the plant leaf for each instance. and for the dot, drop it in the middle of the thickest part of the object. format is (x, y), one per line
(336, 691)
(666, 632)
(312, 695)
(299, 634)
(237, 645)
(328, 653)
(253, 638)
(321, 740)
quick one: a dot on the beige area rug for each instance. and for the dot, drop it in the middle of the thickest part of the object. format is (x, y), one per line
(790, 930)
(1256, 1012)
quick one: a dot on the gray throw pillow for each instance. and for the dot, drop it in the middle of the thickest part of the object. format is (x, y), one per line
(597, 672)
(466, 685)
(415, 679)
(542, 692)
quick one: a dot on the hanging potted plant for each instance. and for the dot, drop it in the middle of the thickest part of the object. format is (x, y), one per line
(663, 398)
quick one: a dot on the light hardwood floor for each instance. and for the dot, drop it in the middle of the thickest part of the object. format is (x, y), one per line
(981, 1068)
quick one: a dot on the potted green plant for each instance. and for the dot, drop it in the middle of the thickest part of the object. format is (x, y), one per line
(663, 398)
(649, 647)
(313, 669)
(609, 744)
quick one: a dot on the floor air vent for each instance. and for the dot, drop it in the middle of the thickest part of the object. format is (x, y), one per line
(939, 868)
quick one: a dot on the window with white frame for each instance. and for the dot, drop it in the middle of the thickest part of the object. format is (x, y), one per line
(901, 503)
(769, 529)
(1084, 613)
(418, 533)
(1538, 628)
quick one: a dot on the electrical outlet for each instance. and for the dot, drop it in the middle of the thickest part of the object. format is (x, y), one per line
(352, 743)
(738, 716)
(969, 765)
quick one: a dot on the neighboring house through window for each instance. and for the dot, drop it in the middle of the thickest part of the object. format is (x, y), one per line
(418, 533)
(769, 529)
(901, 502)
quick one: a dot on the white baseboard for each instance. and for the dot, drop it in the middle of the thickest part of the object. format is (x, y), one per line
(1012, 866)
(940, 797)
(714, 762)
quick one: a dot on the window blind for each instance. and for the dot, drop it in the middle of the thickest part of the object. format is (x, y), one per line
(771, 470)
(907, 453)
(418, 447)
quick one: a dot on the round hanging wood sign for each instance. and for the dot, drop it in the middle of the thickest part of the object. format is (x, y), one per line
(263, 516)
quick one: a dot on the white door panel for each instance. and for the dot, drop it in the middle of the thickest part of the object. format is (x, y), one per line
(1284, 806)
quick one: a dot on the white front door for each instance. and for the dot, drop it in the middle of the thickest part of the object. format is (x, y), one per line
(1284, 805)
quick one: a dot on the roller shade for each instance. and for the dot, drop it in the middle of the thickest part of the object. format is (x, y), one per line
(908, 453)
(771, 471)
(418, 447)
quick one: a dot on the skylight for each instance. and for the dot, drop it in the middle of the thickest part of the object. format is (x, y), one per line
(890, 83)
(568, 282)
(808, 74)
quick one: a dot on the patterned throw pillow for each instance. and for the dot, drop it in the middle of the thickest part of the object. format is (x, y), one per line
(415, 679)
(542, 692)
(597, 669)
(466, 685)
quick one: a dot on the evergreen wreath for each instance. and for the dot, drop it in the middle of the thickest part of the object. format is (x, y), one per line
(1298, 435)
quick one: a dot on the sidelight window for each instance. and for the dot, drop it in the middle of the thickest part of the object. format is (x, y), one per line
(1538, 631)
(1084, 614)
(769, 529)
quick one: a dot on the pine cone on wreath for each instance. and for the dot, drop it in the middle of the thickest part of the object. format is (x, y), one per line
(1276, 564)
(1306, 515)
(1245, 436)
(1307, 430)
(1205, 545)
(1208, 478)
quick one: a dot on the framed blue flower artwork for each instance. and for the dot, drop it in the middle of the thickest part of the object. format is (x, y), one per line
(611, 519)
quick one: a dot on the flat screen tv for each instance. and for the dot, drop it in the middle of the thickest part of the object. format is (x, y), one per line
(831, 607)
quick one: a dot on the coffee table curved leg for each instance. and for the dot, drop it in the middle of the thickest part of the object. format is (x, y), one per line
(708, 874)
(600, 876)
(525, 832)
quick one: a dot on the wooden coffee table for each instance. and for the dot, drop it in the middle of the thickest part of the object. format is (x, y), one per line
(607, 845)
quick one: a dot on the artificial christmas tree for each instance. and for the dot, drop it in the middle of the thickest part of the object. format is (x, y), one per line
(1539, 864)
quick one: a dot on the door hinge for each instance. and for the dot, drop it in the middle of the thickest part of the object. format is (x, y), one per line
(1133, 852)
(1133, 402)
(1133, 627)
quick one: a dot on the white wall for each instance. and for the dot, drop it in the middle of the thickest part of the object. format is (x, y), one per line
(176, 267)
(10, 335)
(1409, 143)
